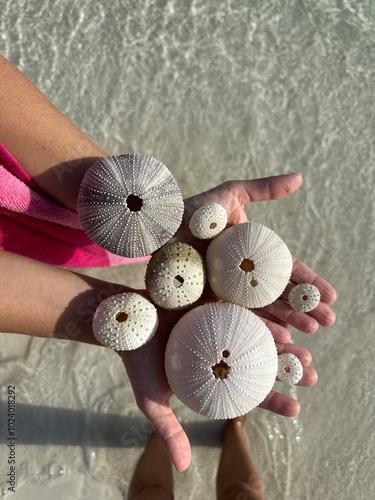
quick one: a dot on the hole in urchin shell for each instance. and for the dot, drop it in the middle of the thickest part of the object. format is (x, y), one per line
(121, 317)
(247, 265)
(253, 282)
(225, 353)
(305, 297)
(213, 225)
(220, 370)
(134, 203)
(178, 281)
(286, 369)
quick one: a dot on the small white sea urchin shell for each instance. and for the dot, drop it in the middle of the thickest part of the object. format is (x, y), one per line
(290, 369)
(249, 265)
(221, 360)
(130, 204)
(125, 321)
(175, 276)
(304, 297)
(208, 221)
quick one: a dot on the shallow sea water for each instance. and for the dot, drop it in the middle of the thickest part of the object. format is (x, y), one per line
(217, 90)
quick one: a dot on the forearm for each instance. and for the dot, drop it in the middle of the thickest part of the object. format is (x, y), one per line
(54, 152)
(46, 301)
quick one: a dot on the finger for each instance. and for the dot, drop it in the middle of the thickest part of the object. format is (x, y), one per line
(323, 315)
(302, 354)
(264, 315)
(172, 436)
(281, 310)
(309, 377)
(303, 274)
(281, 404)
(279, 332)
(267, 188)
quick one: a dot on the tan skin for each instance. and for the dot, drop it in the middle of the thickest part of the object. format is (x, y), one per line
(43, 147)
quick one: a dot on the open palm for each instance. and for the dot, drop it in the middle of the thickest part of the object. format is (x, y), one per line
(145, 366)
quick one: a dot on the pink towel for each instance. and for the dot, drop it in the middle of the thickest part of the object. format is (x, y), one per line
(34, 225)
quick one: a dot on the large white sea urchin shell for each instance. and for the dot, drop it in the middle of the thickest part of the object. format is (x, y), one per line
(221, 360)
(304, 297)
(130, 204)
(248, 265)
(125, 321)
(175, 276)
(208, 221)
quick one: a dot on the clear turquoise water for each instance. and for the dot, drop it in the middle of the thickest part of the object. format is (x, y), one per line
(215, 89)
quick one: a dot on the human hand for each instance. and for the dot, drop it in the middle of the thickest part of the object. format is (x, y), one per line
(67, 146)
(234, 195)
(145, 366)
(145, 369)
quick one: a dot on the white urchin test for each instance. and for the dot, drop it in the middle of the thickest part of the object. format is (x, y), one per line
(221, 360)
(304, 297)
(208, 221)
(175, 276)
(130, 204)
(125, 322)
(290, 369)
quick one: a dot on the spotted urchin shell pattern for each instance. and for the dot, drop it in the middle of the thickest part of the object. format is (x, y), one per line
(206, 339)
(104, 212)
(248, 265)
(175, 276)
(125, 321)
(208, 221)
(290, 369)
(304, 297)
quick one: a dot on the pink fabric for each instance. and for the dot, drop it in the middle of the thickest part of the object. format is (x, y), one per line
(34, 225)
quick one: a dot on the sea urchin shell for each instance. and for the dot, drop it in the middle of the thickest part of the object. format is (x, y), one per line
(304, 297)
(175, 276)
(130, 204)
(208, 221)
(125, 321)
(290, 369)
(221, 360)
(248, 265)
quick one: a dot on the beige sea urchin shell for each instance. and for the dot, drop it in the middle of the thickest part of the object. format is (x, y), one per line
(304, 297)
(208, 221)
(248, 265)
(125, 321)
(290, 369)
(221, 360)
(130, 204)
(175, 276)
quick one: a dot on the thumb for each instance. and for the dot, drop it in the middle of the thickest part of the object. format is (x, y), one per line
(173, 437)
(266, 188)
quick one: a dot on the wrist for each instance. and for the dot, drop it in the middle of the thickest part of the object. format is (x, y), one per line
(46, 301)
(75, 322)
